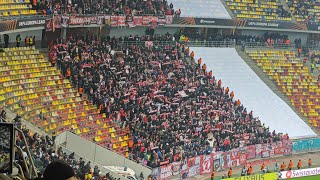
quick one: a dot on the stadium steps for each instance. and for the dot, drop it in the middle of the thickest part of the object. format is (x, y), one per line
(286, 7)
(265, 78)
(316, 70)
(228, 9)
(29, 85)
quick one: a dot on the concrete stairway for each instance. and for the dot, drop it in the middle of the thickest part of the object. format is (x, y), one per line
(265, 78)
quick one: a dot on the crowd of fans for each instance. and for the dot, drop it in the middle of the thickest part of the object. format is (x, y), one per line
(43, 153)
(111, 7)
(305, 11)
(4, 148)
(173, 107)
(270, 38)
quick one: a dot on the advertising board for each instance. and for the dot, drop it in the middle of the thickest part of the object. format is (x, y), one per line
(300, 173)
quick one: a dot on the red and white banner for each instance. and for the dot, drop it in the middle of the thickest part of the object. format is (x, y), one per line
(176, 168)
(131, 21)
(193, 166)
(137, 20)
(206, 164)
(114, 20)
(166, 171)
(121, 21)
(85, 20)
(146, 20)
(251, 152)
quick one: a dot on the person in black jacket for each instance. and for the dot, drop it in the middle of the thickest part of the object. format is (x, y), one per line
(6, 40)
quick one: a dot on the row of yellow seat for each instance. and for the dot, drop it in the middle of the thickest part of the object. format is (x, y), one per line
(14, 1)
(311, 10)
(252, 2)
(14, 7)
(18, 13)
(29, 85)
(293, 78)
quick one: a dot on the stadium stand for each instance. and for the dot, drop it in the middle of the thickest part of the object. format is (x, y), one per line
(160, 98)
(293, 78)
(44, 153)
(9, 8)
(36, 91)
(305, 11)
(201, 8)
(260, 10)
(137, 7)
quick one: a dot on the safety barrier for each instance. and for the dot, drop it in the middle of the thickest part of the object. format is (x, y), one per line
(305, 145)
(218, 161)
(188, 44)
(268, 45)
(300, 173)
(96, 153)
(227, 43)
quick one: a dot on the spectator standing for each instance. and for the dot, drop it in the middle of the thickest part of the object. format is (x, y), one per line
(41, 116)
(18, 40)
(6, 40)
(26, 41)
(276, 167)
(34, 41)
(31, 41)
(312, 67)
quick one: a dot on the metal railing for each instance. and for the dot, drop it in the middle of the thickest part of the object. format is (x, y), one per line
(226, 43)
(30, 168)
(25, 17)
(269, 45)
(188, 44)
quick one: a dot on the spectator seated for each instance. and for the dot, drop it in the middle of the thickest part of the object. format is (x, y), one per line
(16, 8)
(44, 152)
(134, 7)
(39, 93)
(173, 107)
(261, 10)
(305, 11)
(293, 78)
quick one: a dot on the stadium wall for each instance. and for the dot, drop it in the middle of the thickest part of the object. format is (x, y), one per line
(305, 145)
(96, 153)
(117, 32)
(12, 36)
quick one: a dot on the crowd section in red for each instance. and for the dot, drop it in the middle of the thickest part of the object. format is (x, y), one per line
(174, 108)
